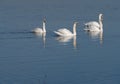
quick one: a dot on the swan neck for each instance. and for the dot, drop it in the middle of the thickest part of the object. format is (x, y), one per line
(74, 29)
(101, 25)
(44, 30)
(100, 22)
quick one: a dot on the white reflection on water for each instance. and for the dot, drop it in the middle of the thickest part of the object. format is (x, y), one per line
(43, 35)
(96, 36)
(67, 39)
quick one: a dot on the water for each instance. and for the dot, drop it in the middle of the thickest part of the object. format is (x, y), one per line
(26, 58)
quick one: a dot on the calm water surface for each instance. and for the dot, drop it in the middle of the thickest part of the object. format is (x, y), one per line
(26, 58)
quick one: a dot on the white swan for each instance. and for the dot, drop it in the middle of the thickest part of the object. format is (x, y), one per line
(66, 32)
(40, 30)
(95, 26)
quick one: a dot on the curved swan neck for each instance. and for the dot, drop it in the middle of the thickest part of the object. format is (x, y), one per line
(74, 28)
(100, 22)
(44, 30)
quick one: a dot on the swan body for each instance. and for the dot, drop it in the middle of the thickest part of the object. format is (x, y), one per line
(95, 26)
(40, 30)
(63, 32)
(66, 32)
(92, 23)
(92, 29)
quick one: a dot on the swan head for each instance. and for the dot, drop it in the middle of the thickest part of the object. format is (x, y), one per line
(75, 22)
(101, 16)
(44, 20)
(74, 25)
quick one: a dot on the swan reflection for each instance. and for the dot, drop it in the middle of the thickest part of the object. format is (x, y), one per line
(67, 39)
(96, 36)
(43, 36)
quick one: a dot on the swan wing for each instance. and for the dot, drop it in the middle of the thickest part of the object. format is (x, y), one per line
(64, 31)
(92, 28)
(58, 33)
(92, 23)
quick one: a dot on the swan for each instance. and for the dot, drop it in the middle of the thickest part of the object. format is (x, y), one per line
(95, 26)
(66, 32)
(40, 30)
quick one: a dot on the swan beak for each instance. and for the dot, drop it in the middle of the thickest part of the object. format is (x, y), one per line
(76, 22)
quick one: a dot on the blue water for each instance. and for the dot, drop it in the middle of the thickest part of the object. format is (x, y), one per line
(26, 58)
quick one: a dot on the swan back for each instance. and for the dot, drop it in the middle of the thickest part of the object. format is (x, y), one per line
(37, 30)
(92, 23)
(63, 32)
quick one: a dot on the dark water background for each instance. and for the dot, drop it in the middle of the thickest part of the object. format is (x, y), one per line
(26, 58)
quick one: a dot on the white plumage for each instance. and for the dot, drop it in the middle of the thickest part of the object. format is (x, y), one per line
(40, 30)
(92, 23)
(95, 26)
(66, 32)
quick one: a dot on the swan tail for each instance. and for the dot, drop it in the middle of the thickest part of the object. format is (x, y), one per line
(58, 33)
